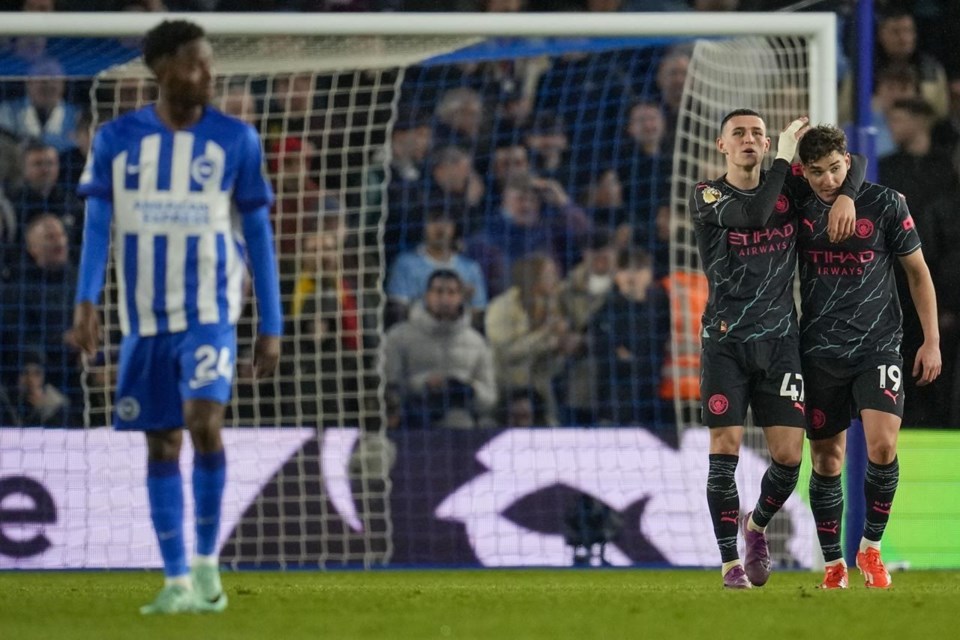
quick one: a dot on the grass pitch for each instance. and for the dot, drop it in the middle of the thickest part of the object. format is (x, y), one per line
(506, 604)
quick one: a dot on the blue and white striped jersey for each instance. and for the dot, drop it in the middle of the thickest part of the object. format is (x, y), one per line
(177, 243)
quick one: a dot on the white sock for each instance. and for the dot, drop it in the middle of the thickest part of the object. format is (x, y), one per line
(729, 565)
(182, 581)
(206, 561)
(753, 526)
(834, 562)
(867, 544)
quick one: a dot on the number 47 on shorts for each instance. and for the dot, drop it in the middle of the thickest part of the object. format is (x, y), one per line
(792, 387)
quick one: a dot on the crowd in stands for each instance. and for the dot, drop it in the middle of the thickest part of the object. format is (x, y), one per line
(524, 258)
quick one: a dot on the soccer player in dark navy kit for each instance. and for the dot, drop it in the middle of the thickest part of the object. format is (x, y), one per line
(179, 183)
(850, 345)
(746, 224)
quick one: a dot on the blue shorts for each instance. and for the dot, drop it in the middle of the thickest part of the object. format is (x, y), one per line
(159, 373)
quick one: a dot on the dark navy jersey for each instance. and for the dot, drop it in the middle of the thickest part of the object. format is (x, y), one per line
(849, 297)
(747, 244)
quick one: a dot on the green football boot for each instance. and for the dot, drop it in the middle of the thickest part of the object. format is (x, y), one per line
(173, 598)
(207, 590)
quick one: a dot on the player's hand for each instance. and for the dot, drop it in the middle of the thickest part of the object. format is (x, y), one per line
(86, 328)
(790, 137)
(842, 219)
(927, 365)
(266, 355)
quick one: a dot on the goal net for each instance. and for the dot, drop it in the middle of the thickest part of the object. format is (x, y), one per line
(372, 144)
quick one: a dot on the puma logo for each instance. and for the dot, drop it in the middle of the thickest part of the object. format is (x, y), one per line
(826, 529)
(893, 396)
(809, 223)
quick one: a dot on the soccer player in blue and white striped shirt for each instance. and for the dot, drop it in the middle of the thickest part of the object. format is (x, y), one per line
(182, 186)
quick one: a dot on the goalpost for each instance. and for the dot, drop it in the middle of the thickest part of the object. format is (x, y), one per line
(319, 475)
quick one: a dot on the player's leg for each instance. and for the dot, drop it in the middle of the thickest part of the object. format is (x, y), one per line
(778, 407)
(165, 493)
(724, 501)
(723, 388)
(879, 394)
(780, 479)
(148, 400)
(204, 420)
(207, 357)
(828, 412)
(826, 503)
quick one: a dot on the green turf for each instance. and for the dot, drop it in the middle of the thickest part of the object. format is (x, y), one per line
(585, 605)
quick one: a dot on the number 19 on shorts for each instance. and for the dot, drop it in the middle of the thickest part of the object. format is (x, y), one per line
(890, 373)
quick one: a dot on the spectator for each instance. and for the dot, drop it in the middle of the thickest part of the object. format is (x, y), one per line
(529, 335)
(461, 118)
(946, 135)
(671, 76)
(603, 201)
(41, 192)
(454, 183)
(410, 143)
(325, 330)
(32, 48)
(238, 101)
(917, 169)
(42, 113)
(299, 198)
(409, 275)
(583, 292)
(522, 408)
(73, 160)
(294, 110)
(894, 82)
(941, 250)
(628, 337)
(37, 307)
(39, 403)
(9, 157)
(897, 44)
(921, 173)
(509, 159)
(644, 166)
(548, 144)
(442, 365)
(525, 226)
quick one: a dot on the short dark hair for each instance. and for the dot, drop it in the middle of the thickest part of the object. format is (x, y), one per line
(916, 107)
(444, 274)
(820, 141)
(739, 112)
(898, 73)
(633, 258)
(33, 145)
(167, 37)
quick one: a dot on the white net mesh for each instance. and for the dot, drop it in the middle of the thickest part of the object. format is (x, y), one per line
(338, 472)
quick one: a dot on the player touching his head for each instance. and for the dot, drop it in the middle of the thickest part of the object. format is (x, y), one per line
(166, 178)
(746, 224)
(850, 333)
